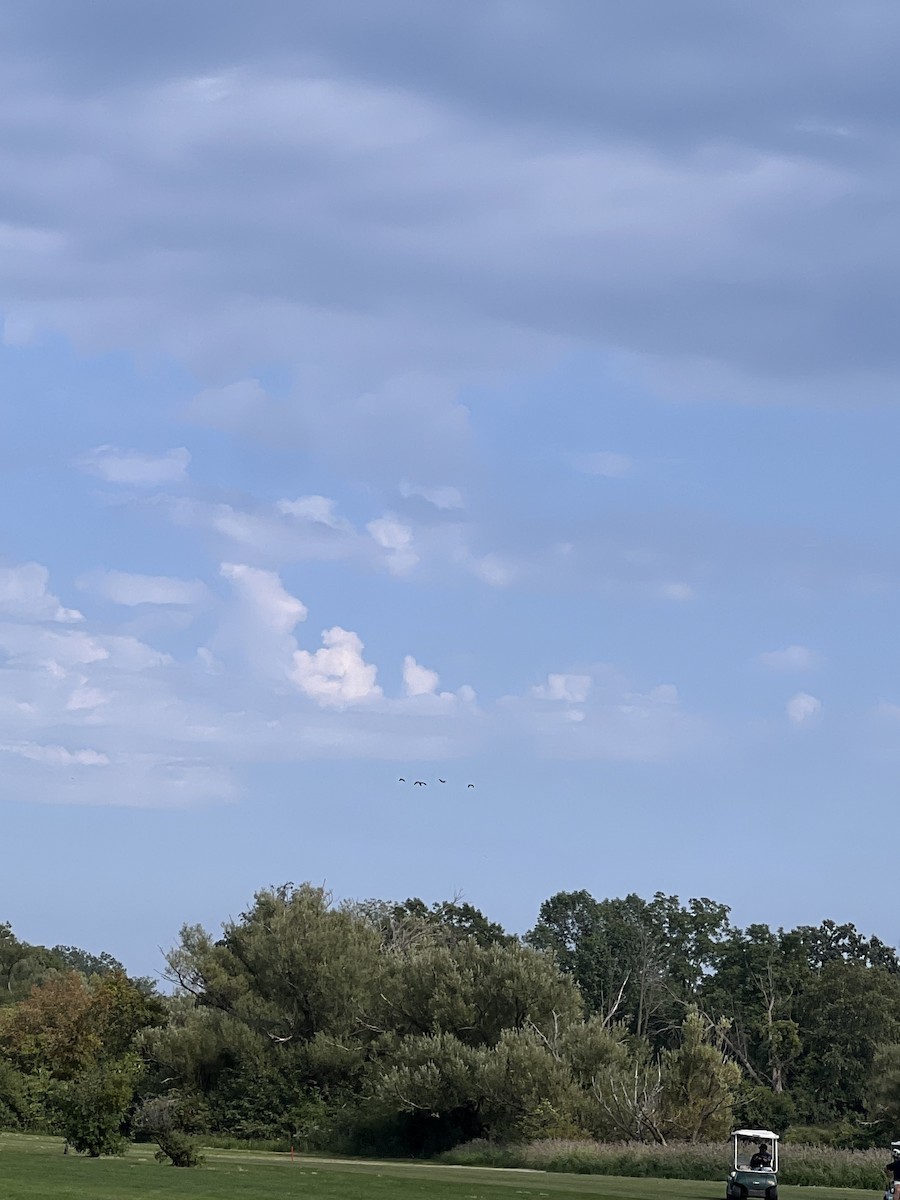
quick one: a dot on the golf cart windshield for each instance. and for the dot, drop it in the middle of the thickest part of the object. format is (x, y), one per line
(755, 1150)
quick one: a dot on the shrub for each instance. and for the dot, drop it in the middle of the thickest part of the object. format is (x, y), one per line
(167, 1119)
(93, 1107)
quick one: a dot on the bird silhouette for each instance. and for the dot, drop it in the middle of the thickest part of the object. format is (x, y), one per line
(471, 785)
(401, 780)
(442, 781)
(420, 783)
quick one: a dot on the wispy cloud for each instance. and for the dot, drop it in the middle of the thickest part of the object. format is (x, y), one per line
(137, 468)
(24, 594)
(126, 588)
(397, 539)
(445, 497)
(791, 658)
(803, 708)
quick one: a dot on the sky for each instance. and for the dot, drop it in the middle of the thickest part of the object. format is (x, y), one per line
(503, 393)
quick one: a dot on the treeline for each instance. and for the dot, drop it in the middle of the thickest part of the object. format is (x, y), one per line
(399, 1028)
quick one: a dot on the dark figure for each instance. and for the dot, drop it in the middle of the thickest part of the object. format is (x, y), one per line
(442, 781)
(762, 1159)
(420, 783)
(471, 785)
(892, 1170)
(401, 781)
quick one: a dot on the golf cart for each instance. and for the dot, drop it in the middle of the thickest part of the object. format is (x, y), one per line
(755, 1171)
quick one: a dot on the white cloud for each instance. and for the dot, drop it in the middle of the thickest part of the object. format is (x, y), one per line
(444, 498)
(86, 698)
(397, 540)
(336, 674)
(56, 756)
(51, 649)
(228, 407)
(259, 628)
(573, 689)
(493, 570)
(803, 708)
(265, 594)
(792, 658)
(676, 591)
(289, 531)
(320, 510)
(418, 680)
(598, 716)
(122, 587)
(605, 463)
(170, 732)
(23, 594)
(135, 467)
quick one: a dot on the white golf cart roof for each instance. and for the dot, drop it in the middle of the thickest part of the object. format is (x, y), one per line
(762, 1135)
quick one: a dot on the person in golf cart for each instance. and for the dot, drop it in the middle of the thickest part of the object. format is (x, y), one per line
(762, 1159)
(892, 1170)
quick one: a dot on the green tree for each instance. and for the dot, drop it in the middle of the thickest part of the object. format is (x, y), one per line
(635, 961)
(758, 983)
(502, 1090)
(94, 1104)
(699, 1083)
(884, 1085)
(72, 958)
(292, 967)
(848, 1011)
(473, 991)
(627, 1094)
(21, 966)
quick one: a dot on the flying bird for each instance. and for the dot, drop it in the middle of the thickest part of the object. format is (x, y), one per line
(442, 781)
(401, 780)
(420, 783)
(471, 785)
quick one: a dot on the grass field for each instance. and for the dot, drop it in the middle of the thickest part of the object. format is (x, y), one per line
(34, 1168)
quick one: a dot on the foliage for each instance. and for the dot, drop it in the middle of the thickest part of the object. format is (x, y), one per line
(67, 1057)
(170, 1120)
(93, 1105)
(634, 960)
(405, 1028)
(699, 1083)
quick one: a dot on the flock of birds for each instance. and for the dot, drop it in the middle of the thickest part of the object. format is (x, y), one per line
(424, 782)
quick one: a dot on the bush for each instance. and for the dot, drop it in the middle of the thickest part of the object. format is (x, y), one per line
(93, 1107)
(179, 1148)
(167, 1119)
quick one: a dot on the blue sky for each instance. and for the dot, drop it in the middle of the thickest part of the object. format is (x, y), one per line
(502, 393)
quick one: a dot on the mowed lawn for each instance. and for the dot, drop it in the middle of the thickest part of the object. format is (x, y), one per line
(34, 1168)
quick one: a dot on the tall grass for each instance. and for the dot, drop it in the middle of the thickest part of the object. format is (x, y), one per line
(803, 1165)
(223, 1141)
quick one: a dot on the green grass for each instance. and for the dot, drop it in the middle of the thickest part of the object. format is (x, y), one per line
(34, 1168)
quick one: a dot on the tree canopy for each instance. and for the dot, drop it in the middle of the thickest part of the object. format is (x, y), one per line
(406, 1027)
